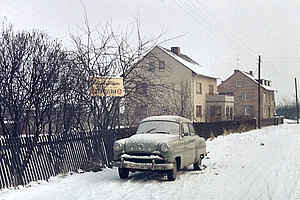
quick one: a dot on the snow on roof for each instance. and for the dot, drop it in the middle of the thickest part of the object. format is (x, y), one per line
(253, 78)
(172, 118)
(190, 64)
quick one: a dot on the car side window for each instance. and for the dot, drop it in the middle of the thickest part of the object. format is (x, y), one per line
(185, 129)
(192, 130)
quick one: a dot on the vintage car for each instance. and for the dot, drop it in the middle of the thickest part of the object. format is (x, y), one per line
(161, 143)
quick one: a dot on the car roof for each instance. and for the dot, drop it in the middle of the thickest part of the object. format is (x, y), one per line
(171, 118)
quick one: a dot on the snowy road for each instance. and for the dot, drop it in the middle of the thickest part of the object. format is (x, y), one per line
(260, 164)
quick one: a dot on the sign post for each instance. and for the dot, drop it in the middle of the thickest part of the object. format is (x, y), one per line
(106, 87)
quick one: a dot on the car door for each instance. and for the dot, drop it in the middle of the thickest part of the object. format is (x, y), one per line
(197, 140)
(189, 145)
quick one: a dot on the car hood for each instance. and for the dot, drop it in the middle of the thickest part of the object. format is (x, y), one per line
(147, 143)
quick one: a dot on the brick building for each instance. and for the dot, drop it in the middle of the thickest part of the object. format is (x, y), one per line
(244, 87)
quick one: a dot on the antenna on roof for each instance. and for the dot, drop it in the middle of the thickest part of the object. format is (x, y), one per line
(238, 61)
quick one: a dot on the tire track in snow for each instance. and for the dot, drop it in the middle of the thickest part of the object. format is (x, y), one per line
(238, 168)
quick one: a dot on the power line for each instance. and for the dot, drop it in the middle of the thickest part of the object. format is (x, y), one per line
(275, 72)
(203, 25)
(232, 34)
(215, 27)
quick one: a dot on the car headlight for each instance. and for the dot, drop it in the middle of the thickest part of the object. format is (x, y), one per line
(117, 146)
(164, 147)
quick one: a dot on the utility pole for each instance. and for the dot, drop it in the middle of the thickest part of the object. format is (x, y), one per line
(297, 103)
(258, 101)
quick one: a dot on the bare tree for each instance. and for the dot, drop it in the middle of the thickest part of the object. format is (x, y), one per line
(30, 88)
(287, 108)
(103, 52)
(31, 64)
(180, 97)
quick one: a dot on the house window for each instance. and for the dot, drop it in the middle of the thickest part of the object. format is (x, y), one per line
(152, 66)
(211, 90)
(239, 84)
(247, 110)
(198, 88)
(265, 110)
(231, 113)
(271, 111)
(142, 88)
(227, 112)
(161, 65)
(272, 96)
(246, 96)
(215, 110)
(265, 97)
(198, 111)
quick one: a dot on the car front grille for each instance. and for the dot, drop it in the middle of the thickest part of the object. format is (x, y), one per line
(143, 158)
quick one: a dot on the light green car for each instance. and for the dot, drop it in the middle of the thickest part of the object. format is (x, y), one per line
(161, 143)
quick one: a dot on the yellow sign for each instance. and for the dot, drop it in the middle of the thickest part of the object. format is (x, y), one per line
(109, 87)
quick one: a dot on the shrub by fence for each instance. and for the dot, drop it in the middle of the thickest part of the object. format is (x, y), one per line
(214, 129)
(272, 121)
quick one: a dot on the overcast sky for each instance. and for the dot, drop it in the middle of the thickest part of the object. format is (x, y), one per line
(221, 35)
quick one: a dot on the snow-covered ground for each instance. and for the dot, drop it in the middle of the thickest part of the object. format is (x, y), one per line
(259, 164)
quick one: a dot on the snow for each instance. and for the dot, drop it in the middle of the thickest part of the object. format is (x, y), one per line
(156, 157)
(259, 164)
(195, 67)
(262, 85)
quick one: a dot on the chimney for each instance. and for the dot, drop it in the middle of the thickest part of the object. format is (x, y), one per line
(251, 73)
(176, 50)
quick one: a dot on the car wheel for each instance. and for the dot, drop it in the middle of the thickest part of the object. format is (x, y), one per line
(197, 164)
(172, 174)
(123, 173)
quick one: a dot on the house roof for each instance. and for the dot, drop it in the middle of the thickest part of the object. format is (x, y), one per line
(190, 64)
(253, 79)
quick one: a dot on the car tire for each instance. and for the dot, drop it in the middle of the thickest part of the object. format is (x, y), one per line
(198, 164)
(172, 174)
(123, 173)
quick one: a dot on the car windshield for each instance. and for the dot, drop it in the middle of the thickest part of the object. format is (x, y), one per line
(154, 127)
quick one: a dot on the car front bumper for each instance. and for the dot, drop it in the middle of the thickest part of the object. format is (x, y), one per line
(143, 166)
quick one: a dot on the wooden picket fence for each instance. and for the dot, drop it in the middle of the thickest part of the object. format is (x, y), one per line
(26, 159)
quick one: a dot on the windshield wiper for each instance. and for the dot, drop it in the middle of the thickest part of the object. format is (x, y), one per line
(152, 129)
(164, 132)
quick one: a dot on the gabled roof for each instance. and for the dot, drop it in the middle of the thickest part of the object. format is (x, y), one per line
(253, 79)
(190, 64)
